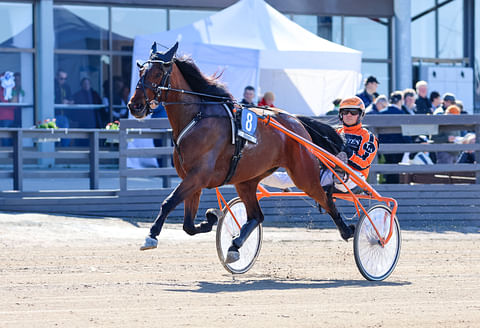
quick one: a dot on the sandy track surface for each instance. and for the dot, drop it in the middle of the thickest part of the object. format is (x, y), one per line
(76, 272)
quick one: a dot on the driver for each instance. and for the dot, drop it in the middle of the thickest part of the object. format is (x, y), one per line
(360, 149)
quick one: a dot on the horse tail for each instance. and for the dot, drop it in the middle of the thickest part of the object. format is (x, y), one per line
(322, 135)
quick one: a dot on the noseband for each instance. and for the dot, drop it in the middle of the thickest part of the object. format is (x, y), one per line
(155, 88)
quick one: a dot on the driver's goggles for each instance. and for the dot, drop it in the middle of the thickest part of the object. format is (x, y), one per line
(351, 111)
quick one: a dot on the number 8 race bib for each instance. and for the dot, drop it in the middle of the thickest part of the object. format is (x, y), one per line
(249, 125)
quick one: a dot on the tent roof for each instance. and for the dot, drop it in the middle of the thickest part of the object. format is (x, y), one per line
(254, 24)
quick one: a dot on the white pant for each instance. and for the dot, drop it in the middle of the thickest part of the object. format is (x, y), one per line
(281, 180)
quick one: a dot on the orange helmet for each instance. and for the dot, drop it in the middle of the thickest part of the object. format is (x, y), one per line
(352, 103)
(452, 109)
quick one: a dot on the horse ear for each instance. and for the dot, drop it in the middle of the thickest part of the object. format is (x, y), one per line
(169, 54)
(139, 64)
(154, 48)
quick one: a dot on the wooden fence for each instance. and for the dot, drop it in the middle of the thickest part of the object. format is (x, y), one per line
(416, 202)
(43, 149)
(160, 129)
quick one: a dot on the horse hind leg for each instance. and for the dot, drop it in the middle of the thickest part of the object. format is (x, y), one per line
(312, 186)
(247, 193)
(346, 232)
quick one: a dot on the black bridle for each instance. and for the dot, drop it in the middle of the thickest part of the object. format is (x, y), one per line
(164, 85)
(155, 88)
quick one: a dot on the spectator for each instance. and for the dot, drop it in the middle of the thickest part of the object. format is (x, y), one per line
(267, 100)
(467, 156)
(459, 104)
(86, 95)
(380, 104)
(336, 105)
(445, 157)
(119, 87)
(367, 96)
(409, 106)
(423, 104)
(448, 100)
(248, 96)
(396, 100)
(87, 118)
(63, 94)
(435, 100)
(18, 94)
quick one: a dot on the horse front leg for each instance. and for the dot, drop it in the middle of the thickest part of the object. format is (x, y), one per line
(191, 208)
(184, 190)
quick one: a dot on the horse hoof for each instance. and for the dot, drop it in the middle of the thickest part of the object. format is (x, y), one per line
(233, 255)
(213, 215)
(348, 233)
(150, 243)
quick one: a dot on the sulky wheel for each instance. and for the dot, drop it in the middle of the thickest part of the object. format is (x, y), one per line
(228, 229)
(375, 262)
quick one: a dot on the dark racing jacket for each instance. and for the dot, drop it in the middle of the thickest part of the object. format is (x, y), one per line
(361, 147)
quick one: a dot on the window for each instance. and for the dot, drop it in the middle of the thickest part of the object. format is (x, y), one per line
(81, 27)
(79, 90)
(92, 70)
(128, 22)
(370, 36)
(450, 30)
(423, 29)
(16, 65)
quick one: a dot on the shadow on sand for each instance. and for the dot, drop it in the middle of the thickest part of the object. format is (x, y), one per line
(283, 284)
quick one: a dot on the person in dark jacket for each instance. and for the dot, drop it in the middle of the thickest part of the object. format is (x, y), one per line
(435, 100)
(86, 95)
(424, 106)
(248, 96)
(368, 94)
(86, 118)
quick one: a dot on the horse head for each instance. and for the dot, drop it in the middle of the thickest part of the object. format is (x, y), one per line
(154, 78)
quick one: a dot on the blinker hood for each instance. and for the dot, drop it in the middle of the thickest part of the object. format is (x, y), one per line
(166, 56)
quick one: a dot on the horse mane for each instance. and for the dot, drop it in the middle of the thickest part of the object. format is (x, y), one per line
(198, 81)
(323, 135)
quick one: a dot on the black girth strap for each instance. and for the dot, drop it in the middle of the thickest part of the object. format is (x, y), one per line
(239, 143)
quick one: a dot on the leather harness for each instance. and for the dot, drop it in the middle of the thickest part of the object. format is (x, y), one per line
(234, 117)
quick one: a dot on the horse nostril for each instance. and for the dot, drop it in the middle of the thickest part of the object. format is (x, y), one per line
(132, 106)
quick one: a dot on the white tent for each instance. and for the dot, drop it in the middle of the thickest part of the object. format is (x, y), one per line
(259, 46)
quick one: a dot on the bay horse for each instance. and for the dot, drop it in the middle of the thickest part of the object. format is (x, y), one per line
(202, 134)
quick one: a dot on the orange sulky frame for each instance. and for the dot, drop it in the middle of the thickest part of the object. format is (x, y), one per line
(330, 161)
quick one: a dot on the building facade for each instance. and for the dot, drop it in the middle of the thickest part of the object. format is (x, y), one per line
(72, 59)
